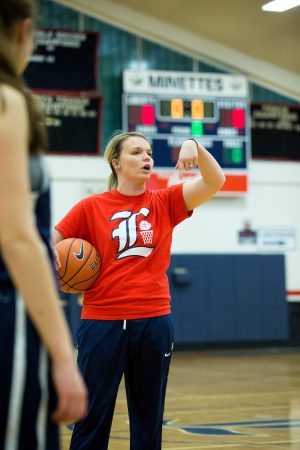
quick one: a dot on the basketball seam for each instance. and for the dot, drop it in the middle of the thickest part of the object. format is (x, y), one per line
(71, 287)
(67, 258)
(87, 279)
(92, 248)
(66, 283)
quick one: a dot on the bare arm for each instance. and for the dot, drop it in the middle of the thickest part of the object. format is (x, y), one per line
(26, 259)
(57, 236)
(200, 190)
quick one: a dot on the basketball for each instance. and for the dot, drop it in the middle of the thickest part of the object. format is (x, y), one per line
(80, 265)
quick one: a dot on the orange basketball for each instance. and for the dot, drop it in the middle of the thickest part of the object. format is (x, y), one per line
(80, 265)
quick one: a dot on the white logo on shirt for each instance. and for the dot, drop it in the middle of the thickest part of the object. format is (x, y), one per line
(127, 234)
(146, 232)
(144, 225)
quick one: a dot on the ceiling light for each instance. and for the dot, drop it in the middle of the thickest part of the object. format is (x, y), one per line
(280, 5)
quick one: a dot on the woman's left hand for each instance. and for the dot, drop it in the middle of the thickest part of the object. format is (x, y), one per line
(56, 260)
(188, 156)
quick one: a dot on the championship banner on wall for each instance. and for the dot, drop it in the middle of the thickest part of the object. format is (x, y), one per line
(64, 61)
(73, 122)
(169, 107)
(62, 74)
(275, 131)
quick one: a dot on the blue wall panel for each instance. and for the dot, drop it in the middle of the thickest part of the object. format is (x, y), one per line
(187, 303)
(220, 320)
(228, 298)
(248, 297)
(272, 293)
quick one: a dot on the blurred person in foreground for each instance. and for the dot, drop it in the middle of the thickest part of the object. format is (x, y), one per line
(39, 382)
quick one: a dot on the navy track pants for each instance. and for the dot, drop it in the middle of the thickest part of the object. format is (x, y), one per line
(140, 349)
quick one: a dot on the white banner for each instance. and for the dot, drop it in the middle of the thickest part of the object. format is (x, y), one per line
(276, 239)
(184, 83)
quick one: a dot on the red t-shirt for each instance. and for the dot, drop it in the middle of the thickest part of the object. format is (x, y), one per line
(133, 235)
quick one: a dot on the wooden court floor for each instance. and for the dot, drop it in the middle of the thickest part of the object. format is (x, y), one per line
(221, 399)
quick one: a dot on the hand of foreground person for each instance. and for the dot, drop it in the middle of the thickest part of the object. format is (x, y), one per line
(71, 393)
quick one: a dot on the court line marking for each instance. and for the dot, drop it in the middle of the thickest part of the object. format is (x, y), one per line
(241, 445)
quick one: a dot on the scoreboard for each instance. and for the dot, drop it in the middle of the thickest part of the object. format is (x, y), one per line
(169, 107)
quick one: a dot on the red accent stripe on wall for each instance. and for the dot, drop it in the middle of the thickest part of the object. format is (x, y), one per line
(235, 183)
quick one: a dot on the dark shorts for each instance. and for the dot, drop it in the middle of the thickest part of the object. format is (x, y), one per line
(26, 396)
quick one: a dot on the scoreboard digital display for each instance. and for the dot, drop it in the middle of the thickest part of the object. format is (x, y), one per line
(169, 107)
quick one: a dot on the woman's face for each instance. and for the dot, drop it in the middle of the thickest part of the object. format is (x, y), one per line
(135, 162)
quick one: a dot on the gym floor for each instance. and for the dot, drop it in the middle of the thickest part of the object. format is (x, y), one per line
(231, 399)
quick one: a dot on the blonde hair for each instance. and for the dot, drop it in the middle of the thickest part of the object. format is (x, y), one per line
(113, 151)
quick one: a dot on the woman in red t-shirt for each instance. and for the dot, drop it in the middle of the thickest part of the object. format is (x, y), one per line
(126, 327)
